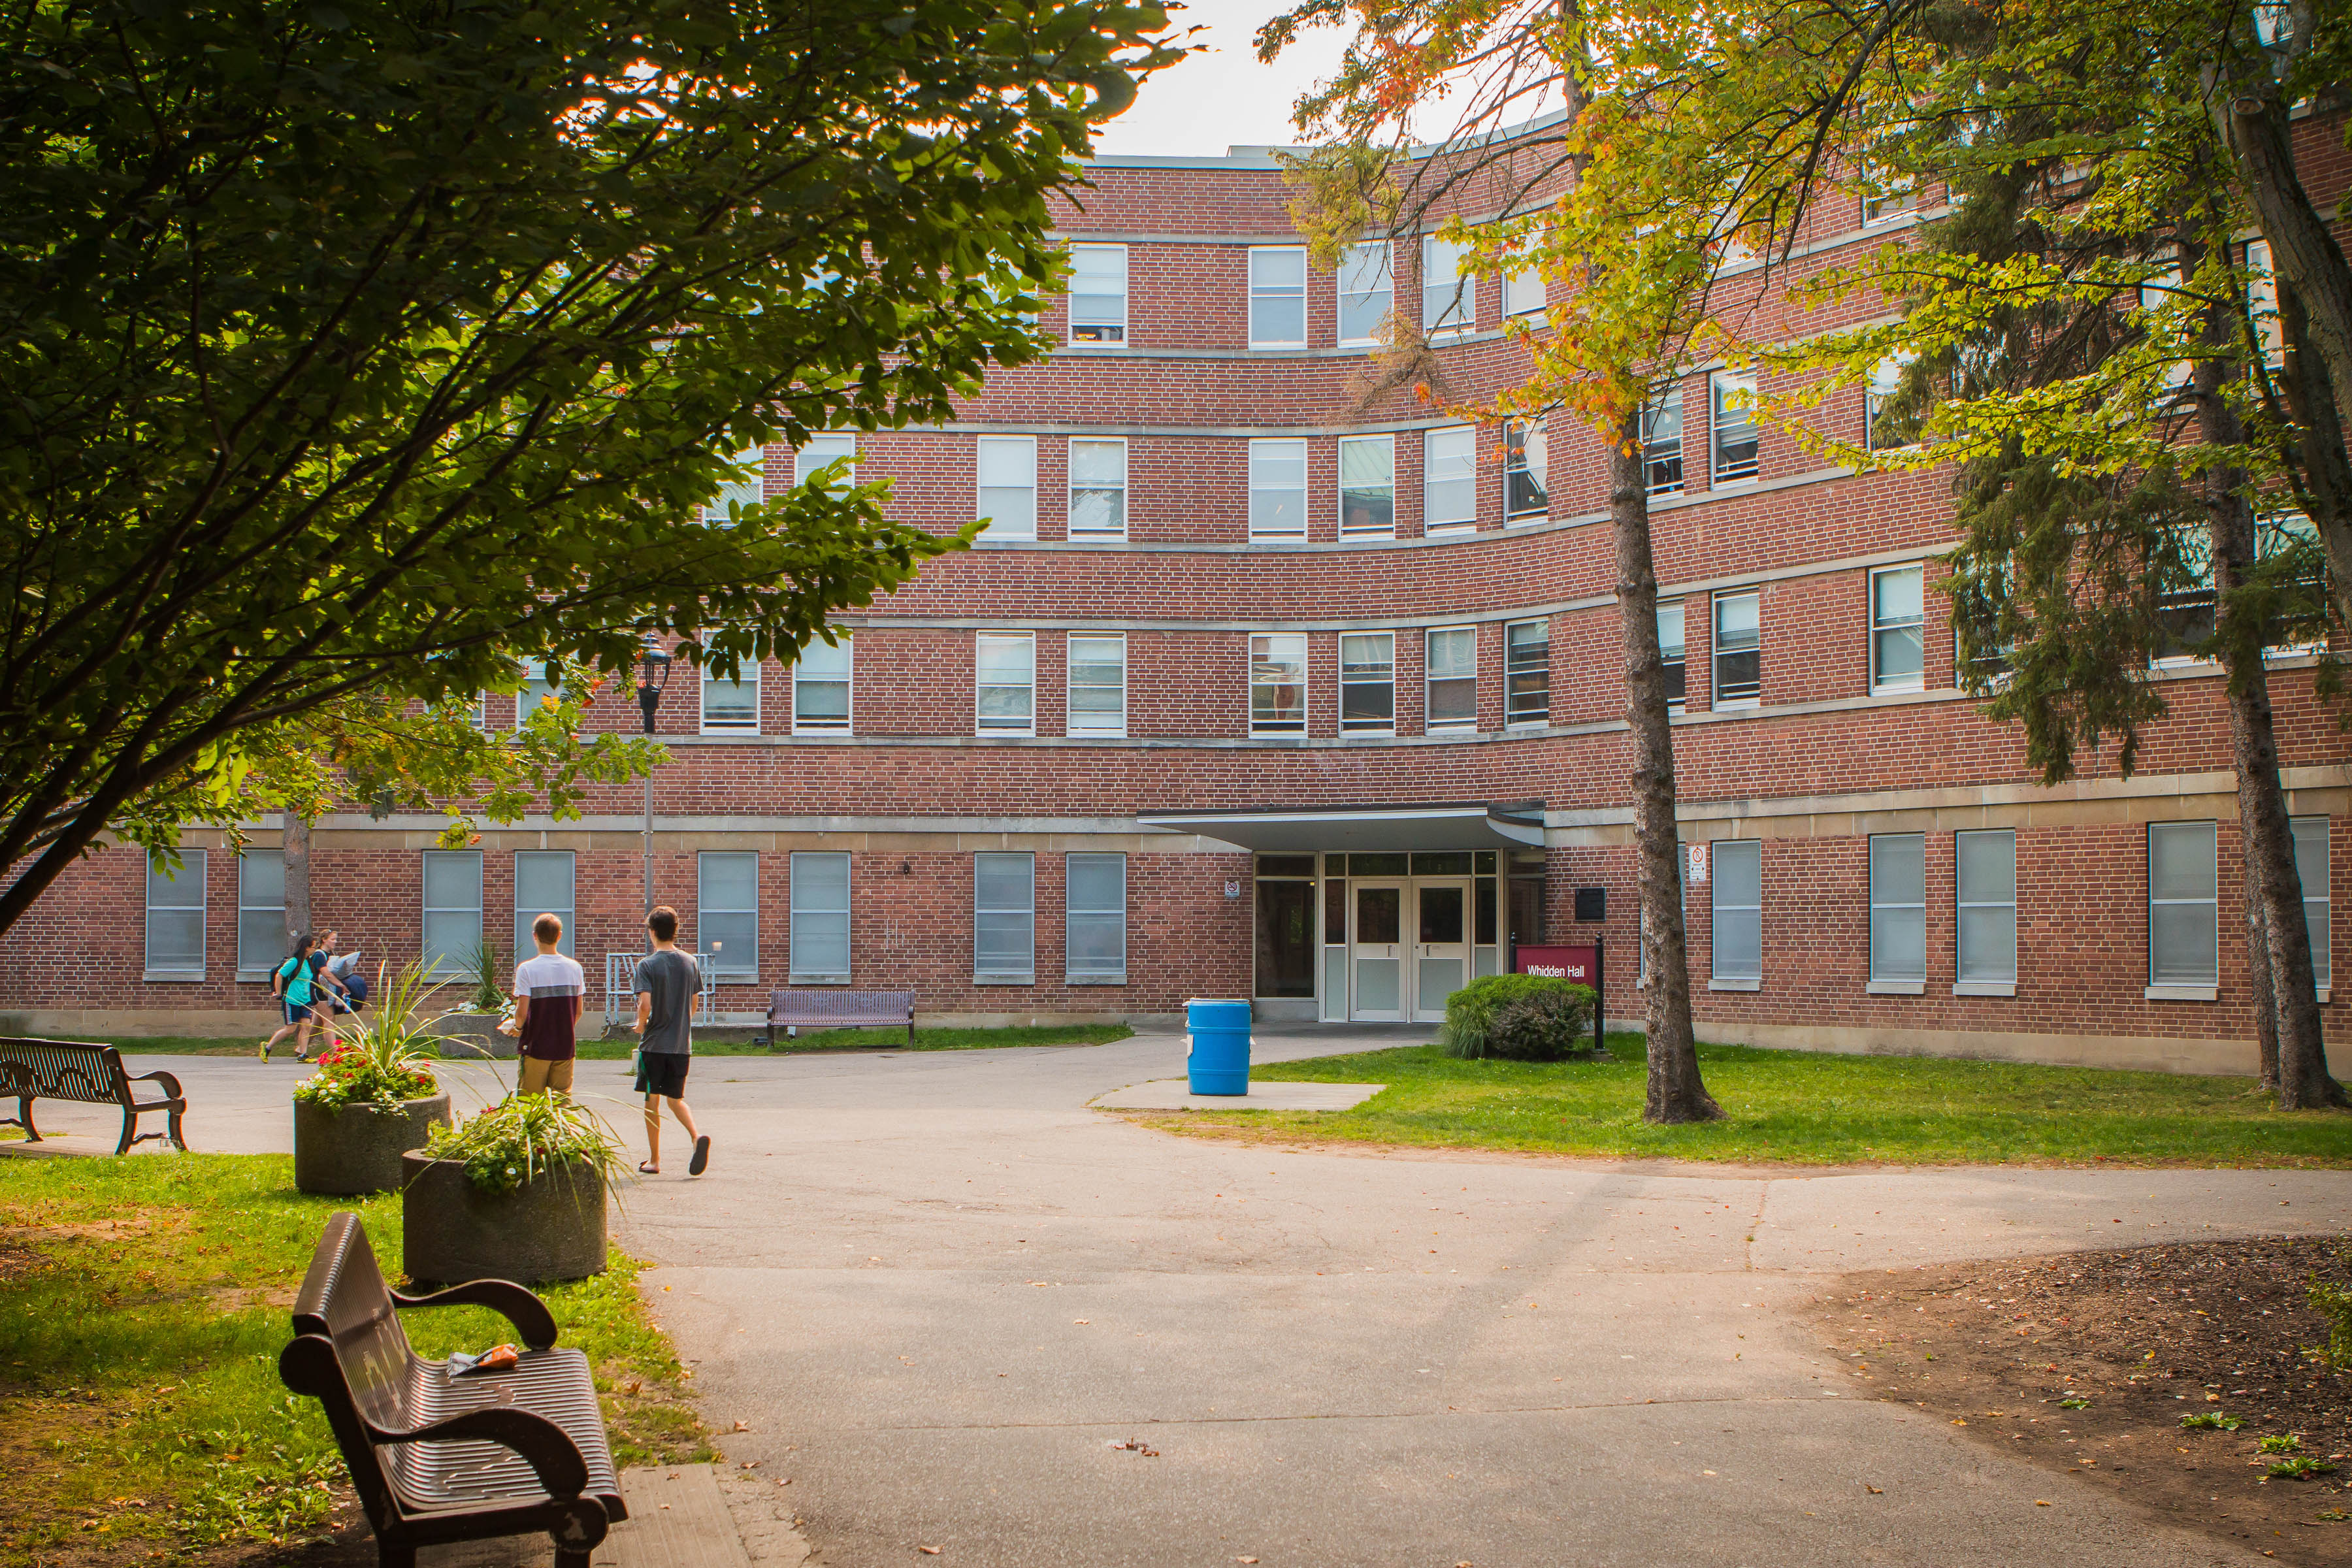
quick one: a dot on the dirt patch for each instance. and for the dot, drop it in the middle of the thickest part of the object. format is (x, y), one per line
(2143, 1338)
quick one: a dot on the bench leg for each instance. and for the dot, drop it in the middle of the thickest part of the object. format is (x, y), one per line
(570, 1559)
(387, 1555)
(129, 1127)
(24, 1118)
(178, 1142)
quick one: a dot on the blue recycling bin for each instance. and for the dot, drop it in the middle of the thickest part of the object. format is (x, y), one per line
(1218, 1062)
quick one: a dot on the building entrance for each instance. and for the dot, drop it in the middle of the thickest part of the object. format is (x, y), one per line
(1408, 949)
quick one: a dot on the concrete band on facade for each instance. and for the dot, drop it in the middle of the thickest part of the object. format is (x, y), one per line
(914, 790)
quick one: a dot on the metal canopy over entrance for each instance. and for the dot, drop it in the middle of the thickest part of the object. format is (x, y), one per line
(1365, 828)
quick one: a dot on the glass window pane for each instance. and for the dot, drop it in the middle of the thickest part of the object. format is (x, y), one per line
(1365, 292)
(820, 914)
(1899, 916)
(453, 879)
(1447, 299)
(1004, 881)
(731, 704)
(1738, 872)
(175, 914)
(2182, 947)
(821, 452)
(1277, 290)
(1098, 294)
(1368, 484)
(1988, 938)
(1278, 683)
(1285, 938)
(1008, 486)
(2311, 865)
(1526, 465)
(261, 880)
(821, 658)
(1987, 867)
(1450, 479)
(1277, 488)
(2180, 860)
(542, 884)
(729, 880)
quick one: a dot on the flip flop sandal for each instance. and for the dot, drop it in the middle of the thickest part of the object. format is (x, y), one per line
(647, 1168)
(701, 1160)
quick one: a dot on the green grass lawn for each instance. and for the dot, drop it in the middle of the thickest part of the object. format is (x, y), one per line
(718, 1043)
(142, 1305)
(1800, 1108)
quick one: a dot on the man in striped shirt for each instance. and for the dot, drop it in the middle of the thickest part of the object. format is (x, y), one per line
(549, 989)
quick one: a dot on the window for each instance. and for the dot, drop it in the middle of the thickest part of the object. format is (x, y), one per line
(1898, 909)
(1897, 195)
(1524, 293)
(1733, 397)
(1098, 489)
(2183, 914)
(727, 912)
(1368, 683)
(732, 705)
(1526, 672)
(2185, 609)
(542, 886)
(537, 692)
(1367, 487)
(1454, 678)
(175, 917)
(1738, 892)
(1738, 651)
(1006, 664)
(821, 688)
(1985, 908)
(1662, 443)
(1525, 464)
(1277, 296)
(1878, 430)
(2261, 302)
(1277, 488)
(1449, 483)
(1448, 299)
(1277, 683)
(1005, 918)
(820, 919)
(1671, 652)
(1367, 293)
(260, 912)
(821, 453)
(2161, 298)
(748, 488)
(2311, 869)
(1098, 294)
(453, 911)
(1097, 672)
(1897, 604)
(1094, 918)
(1008, 486)
(1284, 947)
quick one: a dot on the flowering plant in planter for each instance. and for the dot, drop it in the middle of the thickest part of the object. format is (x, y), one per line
(381, 1063)
(526, 1136)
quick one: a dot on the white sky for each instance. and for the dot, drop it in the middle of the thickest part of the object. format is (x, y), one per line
(1223, 97)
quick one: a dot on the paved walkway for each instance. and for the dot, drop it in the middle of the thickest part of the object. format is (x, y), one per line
(942, 1293)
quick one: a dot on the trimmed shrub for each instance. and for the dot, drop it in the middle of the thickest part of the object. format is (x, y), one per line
(1523, 1017)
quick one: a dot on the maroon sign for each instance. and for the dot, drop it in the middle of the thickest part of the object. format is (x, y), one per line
(1582, 965)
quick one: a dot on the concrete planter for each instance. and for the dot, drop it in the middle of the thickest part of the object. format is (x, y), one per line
(452, 1231)
(473, 1035)
(358, 1148)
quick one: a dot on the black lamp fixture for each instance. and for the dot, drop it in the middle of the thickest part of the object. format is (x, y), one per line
(653, 674)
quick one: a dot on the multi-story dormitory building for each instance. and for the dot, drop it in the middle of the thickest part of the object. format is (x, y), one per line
(1263, 683)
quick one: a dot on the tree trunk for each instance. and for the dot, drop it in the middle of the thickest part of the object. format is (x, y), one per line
(2258, 960)
(1676, 1093)
(296, 842)
(2318, 450)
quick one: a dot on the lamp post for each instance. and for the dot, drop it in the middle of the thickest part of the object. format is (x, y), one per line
(653, 674)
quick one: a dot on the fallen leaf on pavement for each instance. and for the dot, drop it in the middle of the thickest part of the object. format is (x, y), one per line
(929, 1550)
(743, 1426)
(1873, 1490)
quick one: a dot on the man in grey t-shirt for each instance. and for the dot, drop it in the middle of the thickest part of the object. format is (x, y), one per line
(668, 985)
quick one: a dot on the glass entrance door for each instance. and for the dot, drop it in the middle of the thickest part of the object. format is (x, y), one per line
(1377, 963)
(1441, 948)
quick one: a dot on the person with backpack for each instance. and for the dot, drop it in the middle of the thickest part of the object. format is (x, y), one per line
(296, 986)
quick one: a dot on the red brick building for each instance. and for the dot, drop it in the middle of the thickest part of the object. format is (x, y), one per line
(1266, 681)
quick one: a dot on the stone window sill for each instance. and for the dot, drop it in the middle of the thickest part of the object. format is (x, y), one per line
(1094, 980)
(1896, 988)
(1735, 984)
(2182, 993)
(174, 977)
(797, 980)
(1984, 988)
(1004, 980)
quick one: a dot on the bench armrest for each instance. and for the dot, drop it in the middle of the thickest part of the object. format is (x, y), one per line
(170, 1083)
(524, 1309)
(548, 1449)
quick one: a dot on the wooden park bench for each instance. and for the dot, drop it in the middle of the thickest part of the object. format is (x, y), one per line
(91, 1075)
(437, 1459)
(828, 1008)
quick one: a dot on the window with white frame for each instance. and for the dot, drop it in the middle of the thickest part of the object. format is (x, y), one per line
(2311, 868)
(1738, 650)
(1879, 429)
(1897, 618)
(1984, 897)
(1004, 917)
(175, 917)
(1097, 675)
(821, 452)
(2186, 607)
(542, 886)
(2261, 302)
(1526, 468)
(1367, 487)
(538, 691)
(1524, 293)
(1094, 918)
(1449, 301)
(1673, 655)
(821, 688)
(1367, 292)
(260, 912)
(1277, 488)
(1526, 672)
(1277, 683)
(1737, 880)
(1098, 294)
(1098, 487)
(1732, 398)
(1277, 296)
(1898, 909)
(1006, 669)
(1662, 443)
(732, 706)
(1368, 683)
(1892, 195)
(2184, 920)
(2163, 303)
(1449, 482)
(1453, 675)
(748, 488)
(727, 912)
(1007, 473)
(819, 930)
(452, 926)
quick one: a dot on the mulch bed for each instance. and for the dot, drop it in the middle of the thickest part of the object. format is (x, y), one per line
(2143, 1337)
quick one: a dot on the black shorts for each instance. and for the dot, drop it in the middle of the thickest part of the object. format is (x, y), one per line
(663, 1073)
